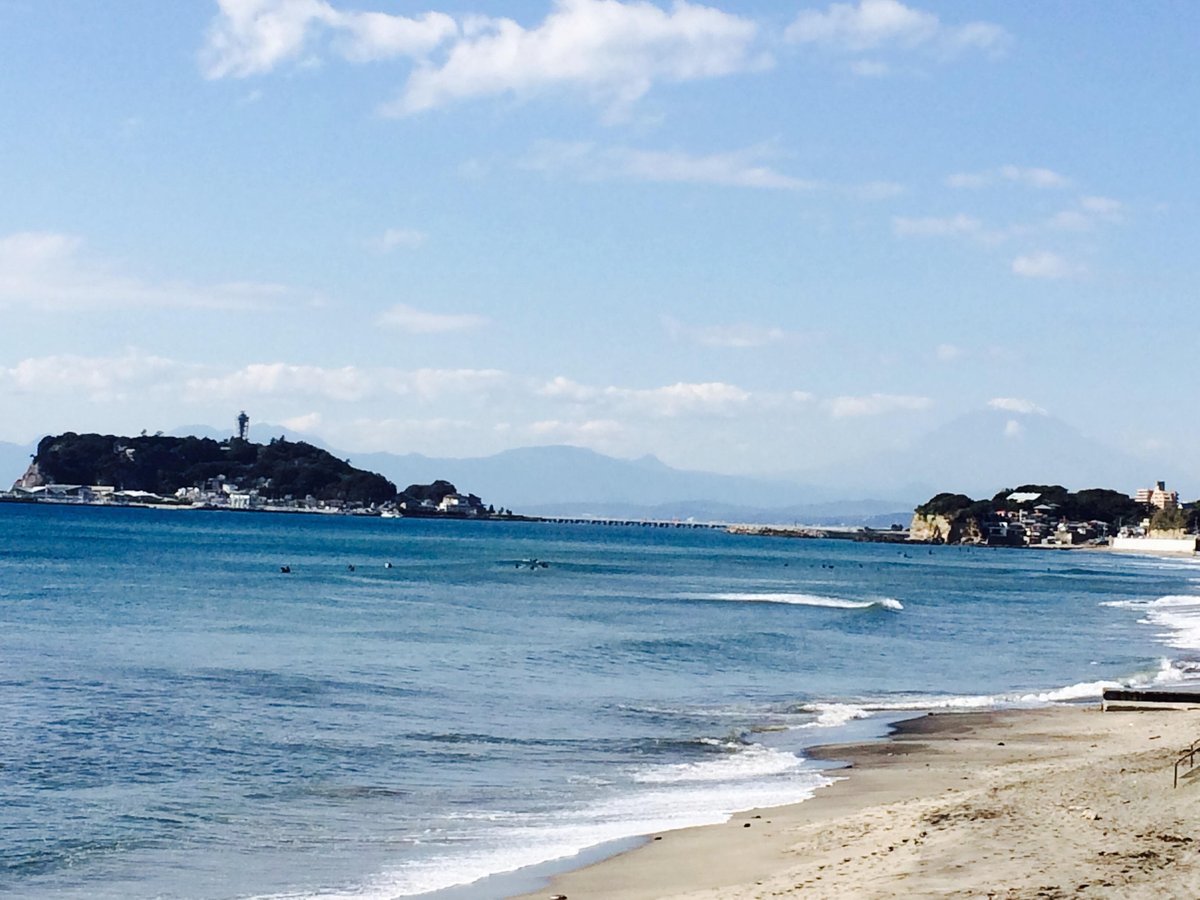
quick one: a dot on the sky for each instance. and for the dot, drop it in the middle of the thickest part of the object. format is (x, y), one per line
(750, 238)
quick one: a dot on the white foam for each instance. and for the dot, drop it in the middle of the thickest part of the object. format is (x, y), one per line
(1178, 614)
(1168, 672)
(835, 714)
(805, 600)
(668, 797)
(752, 762)
(982, 701)
(1085, 690)
(1173, 672)
(1126, 604)
(832, 715)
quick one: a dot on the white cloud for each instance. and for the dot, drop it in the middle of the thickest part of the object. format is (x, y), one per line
(1013, 429)
(870, 68)
(739, 168)
(865, 26)
(34, 249)
(878, 190)
(1089, 213)
(372, 36)
(740, 335)
(1071, 220)
(674, 400)
(418, 321)
(968, 180)
(882, 24)
(1038, 178)
(682, 398)
(932, 226)
(97, 378)
(1155, 445)
(1016, 405)
(949, 352)
(436, 433)
(51, 271)
(1044, 264)
(474, 169)
(250, 37)
(393, 238)
(612, 51)
(383, 407)
(1102, 206)
(1029, 177)
(432, 384)
(587, 433)
(876, 404)
(307, 423)
(561, 388)
(344, 384)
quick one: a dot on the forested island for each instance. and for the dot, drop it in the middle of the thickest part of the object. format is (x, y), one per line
(234, 473)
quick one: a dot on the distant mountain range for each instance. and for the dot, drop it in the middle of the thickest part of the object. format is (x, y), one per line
(977, 454)
(14, 460)
(572, 481)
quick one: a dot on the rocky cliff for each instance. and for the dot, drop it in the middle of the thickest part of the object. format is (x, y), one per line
(32, 478)
(934, 528)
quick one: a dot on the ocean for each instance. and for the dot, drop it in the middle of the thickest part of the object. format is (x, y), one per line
(411, 708)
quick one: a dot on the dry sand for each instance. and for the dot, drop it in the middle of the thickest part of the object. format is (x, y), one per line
(1062, 802)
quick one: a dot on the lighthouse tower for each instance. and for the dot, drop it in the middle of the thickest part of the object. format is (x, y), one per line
(243, 421)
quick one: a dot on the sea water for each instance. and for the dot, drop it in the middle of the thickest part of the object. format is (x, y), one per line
(412, 707)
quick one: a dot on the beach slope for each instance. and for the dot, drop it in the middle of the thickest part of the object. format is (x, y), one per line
(1060, 802)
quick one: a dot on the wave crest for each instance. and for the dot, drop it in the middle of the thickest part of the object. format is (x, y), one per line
(795, 599)
(1178, 615)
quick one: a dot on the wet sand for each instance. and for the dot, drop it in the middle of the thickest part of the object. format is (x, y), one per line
(1048, 803)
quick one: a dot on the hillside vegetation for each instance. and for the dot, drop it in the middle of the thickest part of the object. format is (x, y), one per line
(161, 465)
(1090, 505)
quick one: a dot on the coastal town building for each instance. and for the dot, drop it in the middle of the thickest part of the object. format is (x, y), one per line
(1158, 496)
(458, 504)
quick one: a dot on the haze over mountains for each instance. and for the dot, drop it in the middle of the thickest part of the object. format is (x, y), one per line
(982, 452)
(977, 454)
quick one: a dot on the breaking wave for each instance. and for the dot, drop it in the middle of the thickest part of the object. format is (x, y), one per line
(805, 600)
(1178, 615)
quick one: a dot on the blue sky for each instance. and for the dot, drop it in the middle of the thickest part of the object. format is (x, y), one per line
(752, 237)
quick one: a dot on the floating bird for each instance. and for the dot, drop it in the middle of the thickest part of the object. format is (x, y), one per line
(286, 570)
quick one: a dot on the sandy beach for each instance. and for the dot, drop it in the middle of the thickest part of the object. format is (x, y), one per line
(1046, 803)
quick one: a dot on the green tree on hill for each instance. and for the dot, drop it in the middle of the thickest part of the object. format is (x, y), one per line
(1090, 505)
(945, 504)
(164, 464)
(1168, 520)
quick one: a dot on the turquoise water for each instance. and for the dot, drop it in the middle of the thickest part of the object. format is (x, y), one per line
(182, 719)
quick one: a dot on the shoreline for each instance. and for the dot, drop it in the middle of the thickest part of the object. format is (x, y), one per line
(855, 534)
(1052, 802)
